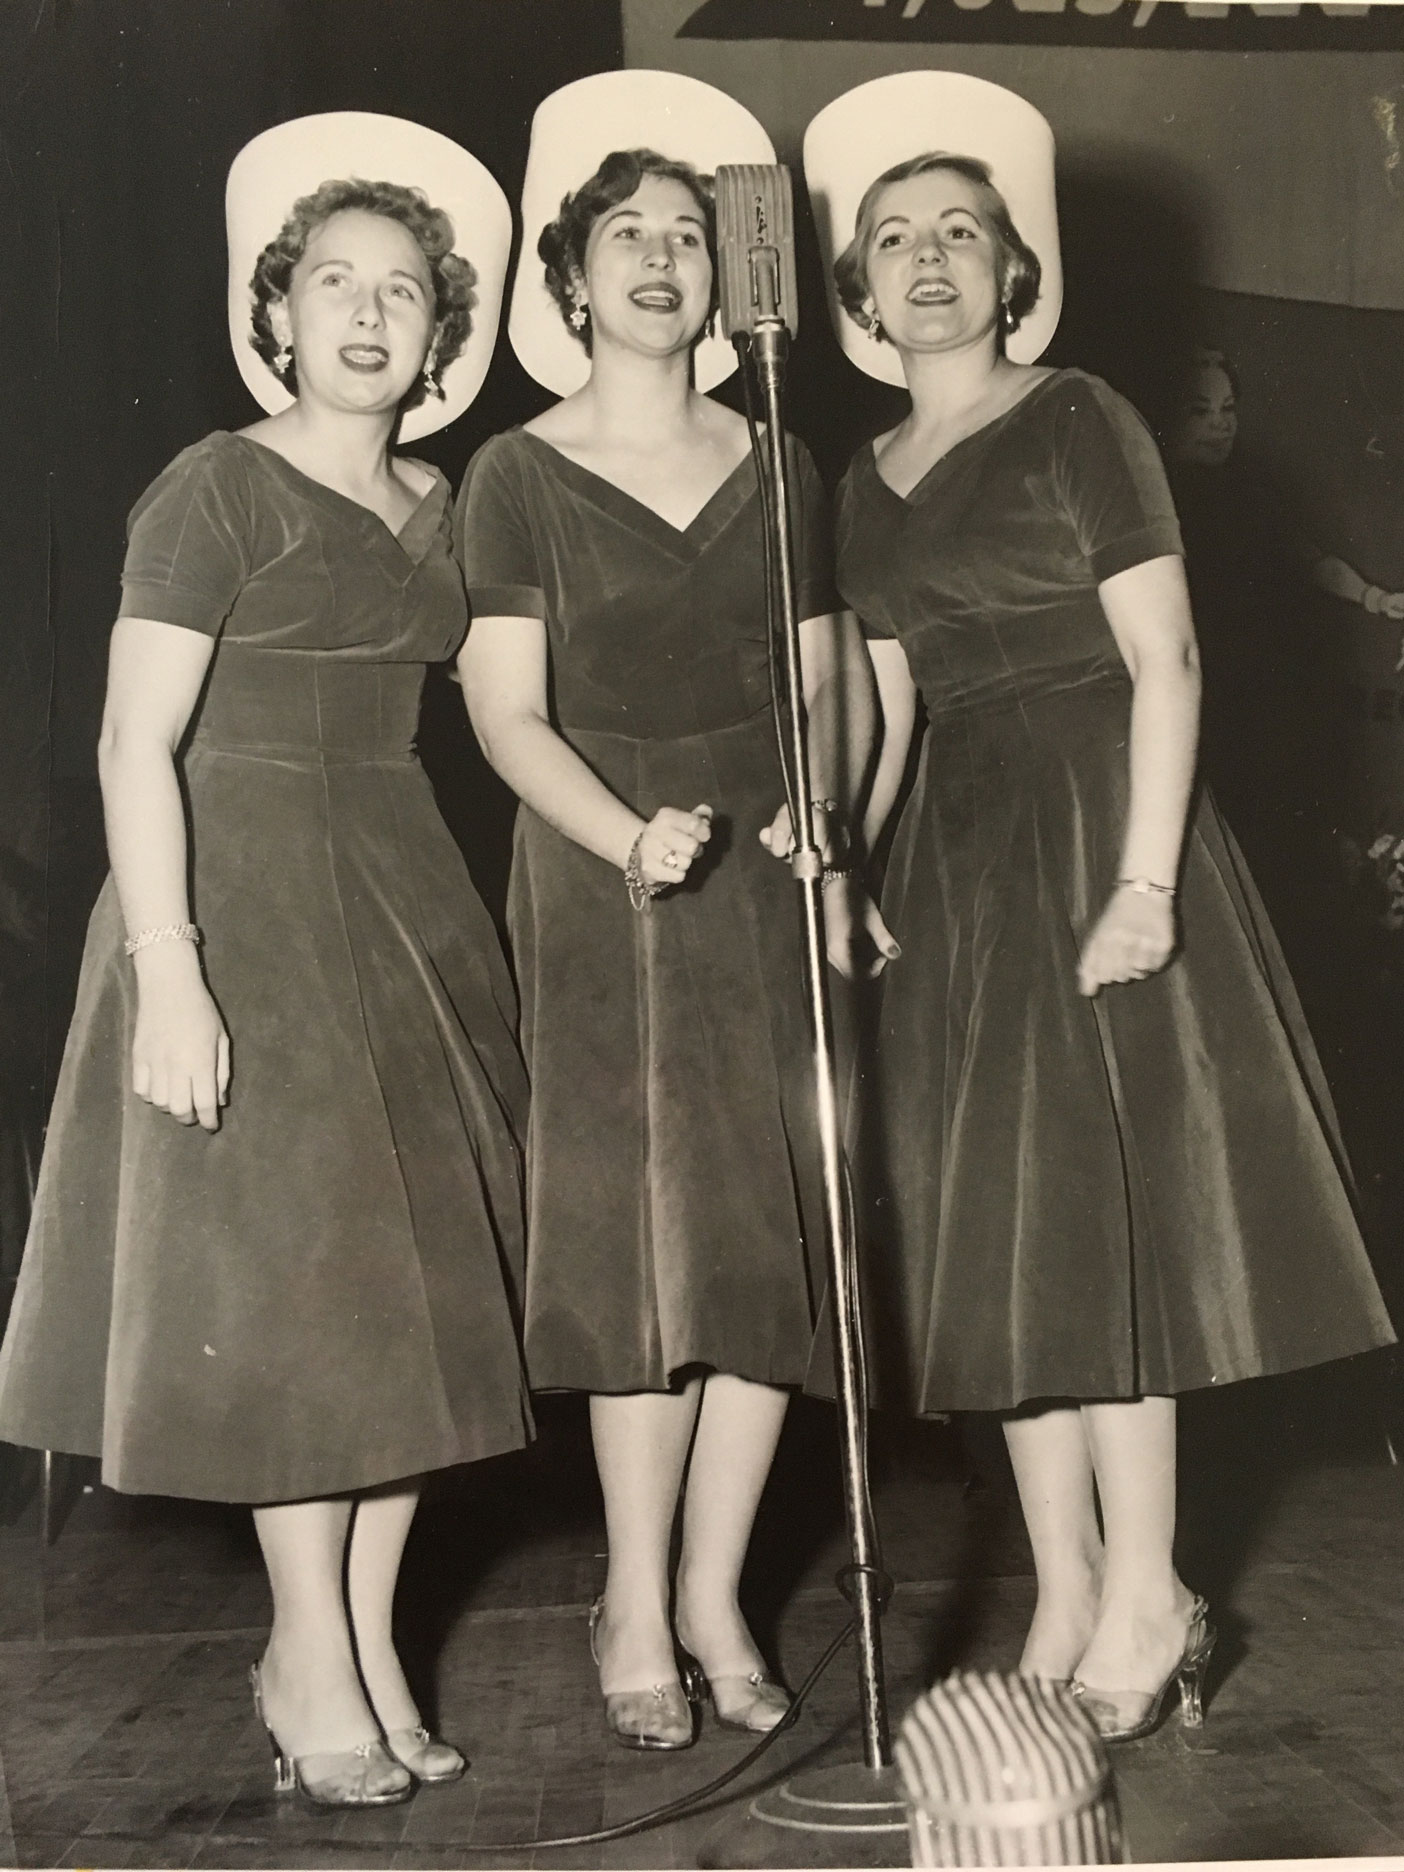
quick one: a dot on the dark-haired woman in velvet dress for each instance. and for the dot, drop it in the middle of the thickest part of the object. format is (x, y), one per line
(278, 1231)
(1106, 1166)
(616, 674)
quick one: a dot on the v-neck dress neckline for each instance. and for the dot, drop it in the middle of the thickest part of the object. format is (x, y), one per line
(412, 539)
(933, 477)
(712, 517)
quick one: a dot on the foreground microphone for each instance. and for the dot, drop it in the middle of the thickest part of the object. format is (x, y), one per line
(756, 249)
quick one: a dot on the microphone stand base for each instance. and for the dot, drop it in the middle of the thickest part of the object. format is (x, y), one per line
(845, 1814)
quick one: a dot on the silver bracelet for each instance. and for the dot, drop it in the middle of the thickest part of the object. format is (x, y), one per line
(639, 889)
(166, 932)
(1146, 887)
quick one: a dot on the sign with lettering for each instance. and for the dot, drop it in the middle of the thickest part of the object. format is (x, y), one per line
(1170, 25)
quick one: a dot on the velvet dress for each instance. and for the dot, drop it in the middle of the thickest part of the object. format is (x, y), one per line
(673, 1183)
(322, 1295)
(1138, 1193)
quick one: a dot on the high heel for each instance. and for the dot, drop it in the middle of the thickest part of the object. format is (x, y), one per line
(346, 1778)
(662, 1717)
(427, 1757)
(753, 1702)
(1108, 1708)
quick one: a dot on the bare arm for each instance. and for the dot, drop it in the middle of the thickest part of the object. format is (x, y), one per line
(897, 699)
(1333, 575)
(1148, 610)
(180, 1053)
(843, 695)
(503, 668)
(840, 705)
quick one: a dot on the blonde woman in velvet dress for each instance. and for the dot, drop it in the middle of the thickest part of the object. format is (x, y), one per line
(1103, 1155)
(279, 1224)
(616, 673)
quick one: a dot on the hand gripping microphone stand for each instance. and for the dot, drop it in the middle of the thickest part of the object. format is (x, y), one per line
(850, 1814)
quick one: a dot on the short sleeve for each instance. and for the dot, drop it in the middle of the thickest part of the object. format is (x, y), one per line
(816, 593)
(493, 537)
(188, 541)
(1112, 481)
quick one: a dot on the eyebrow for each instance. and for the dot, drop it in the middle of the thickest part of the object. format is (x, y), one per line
(395, 272)
(636, 214)
(955, 208)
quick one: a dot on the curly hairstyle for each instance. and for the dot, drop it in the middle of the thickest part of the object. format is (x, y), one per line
(1017, 271)
(563, 241)
(452, 276)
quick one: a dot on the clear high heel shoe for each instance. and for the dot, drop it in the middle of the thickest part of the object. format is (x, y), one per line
(1126, 1715)
(367, 1776)
(428, 1757)
(753, 1702)
(663, 1716)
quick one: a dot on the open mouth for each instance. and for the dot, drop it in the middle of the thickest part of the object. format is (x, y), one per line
(656, 298)
(933, 292)
(368, 358)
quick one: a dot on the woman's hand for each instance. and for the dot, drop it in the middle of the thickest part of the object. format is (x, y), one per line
(669, 843)
(1134, 937)
(858, 942)
(180, 1050)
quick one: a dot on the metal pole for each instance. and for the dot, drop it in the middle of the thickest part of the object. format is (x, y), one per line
(769, 345)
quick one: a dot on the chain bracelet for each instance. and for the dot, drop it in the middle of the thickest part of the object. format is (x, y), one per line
(166, 932)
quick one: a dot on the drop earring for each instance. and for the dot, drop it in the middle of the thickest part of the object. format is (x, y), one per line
(578, 316)
(874, 326)
(282, 358)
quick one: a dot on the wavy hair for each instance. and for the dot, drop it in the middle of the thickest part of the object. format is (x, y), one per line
(1018, 274)
(452, 277)
(563, 241)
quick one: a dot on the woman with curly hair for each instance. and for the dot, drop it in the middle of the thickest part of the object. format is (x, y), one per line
(616, 674)
(1103, 1167)
(279, 1223)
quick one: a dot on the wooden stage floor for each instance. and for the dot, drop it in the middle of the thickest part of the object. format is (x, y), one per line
(126, 1738)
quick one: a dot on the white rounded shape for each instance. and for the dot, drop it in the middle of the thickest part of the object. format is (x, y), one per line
(571, 134)
(293, 159)
(877, 125)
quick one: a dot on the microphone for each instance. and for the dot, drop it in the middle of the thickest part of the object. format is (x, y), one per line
(756, 280)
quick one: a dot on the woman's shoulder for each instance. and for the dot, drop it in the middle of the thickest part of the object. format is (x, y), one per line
(499, 460)
(214, 466)
(1076, 391)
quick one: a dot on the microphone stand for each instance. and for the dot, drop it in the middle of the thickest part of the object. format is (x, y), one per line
(849, 1814)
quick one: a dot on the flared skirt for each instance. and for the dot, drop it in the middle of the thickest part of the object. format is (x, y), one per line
(673, 1185)
(323, 1295)
(1139, 1193)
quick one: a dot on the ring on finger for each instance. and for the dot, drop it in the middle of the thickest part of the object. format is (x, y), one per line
(672, 860)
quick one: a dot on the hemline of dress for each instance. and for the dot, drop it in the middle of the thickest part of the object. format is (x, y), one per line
(374, 1477)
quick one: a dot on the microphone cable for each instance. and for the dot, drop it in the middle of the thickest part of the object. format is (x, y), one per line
(685, 1803)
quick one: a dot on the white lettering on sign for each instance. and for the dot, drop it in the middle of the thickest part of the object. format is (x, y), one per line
(1146, 9)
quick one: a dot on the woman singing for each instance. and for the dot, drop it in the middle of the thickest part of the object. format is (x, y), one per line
(616, 674)
(1106, 1162)
(279, 1223)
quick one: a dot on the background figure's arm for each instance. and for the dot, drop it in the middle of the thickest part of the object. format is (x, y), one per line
(180, 1053)
(1333, 575)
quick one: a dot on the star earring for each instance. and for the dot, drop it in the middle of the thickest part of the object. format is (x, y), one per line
(282, 358)
(579, 316)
